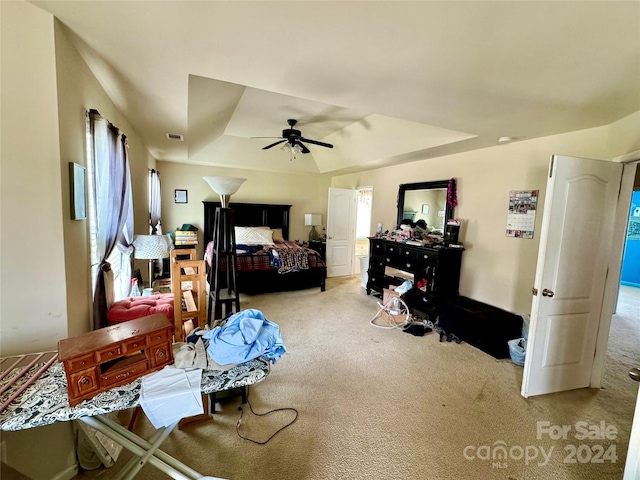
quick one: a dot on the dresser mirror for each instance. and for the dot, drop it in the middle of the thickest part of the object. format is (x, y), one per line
(425, 201)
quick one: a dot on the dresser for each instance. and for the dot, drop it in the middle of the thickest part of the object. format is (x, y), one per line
(436, 268)
(108, 357)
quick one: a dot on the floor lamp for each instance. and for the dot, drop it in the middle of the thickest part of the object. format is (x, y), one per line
(222, 276)
(152, 248)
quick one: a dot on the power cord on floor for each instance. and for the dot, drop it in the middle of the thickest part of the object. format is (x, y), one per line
(262, 415)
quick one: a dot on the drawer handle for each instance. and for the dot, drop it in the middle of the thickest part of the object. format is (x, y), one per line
(83, 362)
(161, 353)
(111, 354)
(84, 381)
(408, 265)
(125, 375)
(135, 345)
(407, 253)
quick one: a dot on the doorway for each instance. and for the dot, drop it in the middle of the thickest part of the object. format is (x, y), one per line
(364, 200)
(624, 333)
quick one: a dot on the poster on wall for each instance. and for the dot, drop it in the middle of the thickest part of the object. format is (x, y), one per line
(521, 219)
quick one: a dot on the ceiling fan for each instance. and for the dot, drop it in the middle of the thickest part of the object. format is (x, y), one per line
(294, 139)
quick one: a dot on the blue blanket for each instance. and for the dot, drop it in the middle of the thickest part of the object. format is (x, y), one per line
(246, 335)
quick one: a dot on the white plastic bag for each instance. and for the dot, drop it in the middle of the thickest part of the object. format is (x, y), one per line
(517, 350)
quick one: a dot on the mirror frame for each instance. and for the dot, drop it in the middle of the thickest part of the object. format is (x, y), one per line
(448, 214)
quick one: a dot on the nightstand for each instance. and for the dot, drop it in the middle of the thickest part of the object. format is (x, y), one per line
(319, 246)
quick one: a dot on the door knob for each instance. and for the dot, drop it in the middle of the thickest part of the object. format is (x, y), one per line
(547, 293)
(634, 373)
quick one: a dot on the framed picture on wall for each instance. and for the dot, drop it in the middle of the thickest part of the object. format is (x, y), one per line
(425, 209)
(77, 190)
(181, 196)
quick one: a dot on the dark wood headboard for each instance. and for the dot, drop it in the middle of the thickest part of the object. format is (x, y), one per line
(249, 215)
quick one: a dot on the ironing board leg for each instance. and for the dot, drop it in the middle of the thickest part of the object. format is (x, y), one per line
(143, 449)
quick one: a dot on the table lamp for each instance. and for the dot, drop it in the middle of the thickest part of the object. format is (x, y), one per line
(152, 248)
(313, 219)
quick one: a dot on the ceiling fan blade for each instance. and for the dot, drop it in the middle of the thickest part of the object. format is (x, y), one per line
(274, 144)
(302, 146)
(316, 142)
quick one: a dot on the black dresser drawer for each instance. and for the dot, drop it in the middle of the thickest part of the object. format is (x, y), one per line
(429, 256)
(408, 254)
(377, 280)
(377, 248)
(407, 264)
(377, 263)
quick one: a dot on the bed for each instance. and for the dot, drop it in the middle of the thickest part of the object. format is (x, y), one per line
(299, 267)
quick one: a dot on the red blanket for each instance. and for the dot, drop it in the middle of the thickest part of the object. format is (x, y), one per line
(292, 257)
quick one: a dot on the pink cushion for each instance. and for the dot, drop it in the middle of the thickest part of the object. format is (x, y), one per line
(137, 307)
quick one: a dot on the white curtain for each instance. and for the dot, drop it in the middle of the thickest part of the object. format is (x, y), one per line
(110, 214)
(155, 207)
(155, 212)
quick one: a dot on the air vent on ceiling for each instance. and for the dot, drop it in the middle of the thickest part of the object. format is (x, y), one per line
(175, 136)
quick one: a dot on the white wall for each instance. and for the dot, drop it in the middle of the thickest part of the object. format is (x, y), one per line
(32, 260)
(307, 193)
(496, 269)
(33, 310)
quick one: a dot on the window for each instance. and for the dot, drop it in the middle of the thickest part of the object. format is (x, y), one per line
(110, 214)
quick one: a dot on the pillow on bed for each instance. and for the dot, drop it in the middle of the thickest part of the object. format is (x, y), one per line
(277, 235)
(253, 236)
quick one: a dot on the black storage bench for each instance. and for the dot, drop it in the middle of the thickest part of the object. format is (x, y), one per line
(483, 326)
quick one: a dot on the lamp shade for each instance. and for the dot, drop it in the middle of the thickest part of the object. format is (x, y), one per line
(225, 187)
(311, 219)
(151, 247)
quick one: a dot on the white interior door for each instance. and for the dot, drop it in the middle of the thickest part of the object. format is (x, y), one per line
(575, 245)
(341, 213)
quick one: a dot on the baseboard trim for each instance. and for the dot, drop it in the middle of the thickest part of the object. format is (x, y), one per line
(68, 473)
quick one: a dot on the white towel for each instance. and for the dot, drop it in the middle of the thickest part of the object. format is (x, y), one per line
(171, 394)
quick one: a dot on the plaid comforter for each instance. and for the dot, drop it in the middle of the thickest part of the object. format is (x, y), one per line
(290, 257)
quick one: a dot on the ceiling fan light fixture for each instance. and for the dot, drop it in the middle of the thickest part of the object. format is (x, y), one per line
(292, 149)
(293, 142)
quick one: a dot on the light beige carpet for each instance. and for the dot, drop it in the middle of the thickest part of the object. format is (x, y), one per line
(379, 404)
